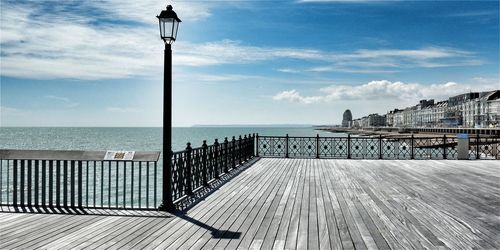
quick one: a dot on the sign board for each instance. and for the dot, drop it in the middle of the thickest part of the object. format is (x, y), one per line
(462, 136)
(119, 155)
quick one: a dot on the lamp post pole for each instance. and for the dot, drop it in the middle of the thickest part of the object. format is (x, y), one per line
(167, 204)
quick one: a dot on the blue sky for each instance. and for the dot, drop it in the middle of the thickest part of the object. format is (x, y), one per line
(99, 63)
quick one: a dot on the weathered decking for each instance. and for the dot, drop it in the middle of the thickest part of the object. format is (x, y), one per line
(299, 204)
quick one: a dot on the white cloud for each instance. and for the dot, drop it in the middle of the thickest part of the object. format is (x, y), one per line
(294, 96)
(64, 100)
(343, 1)
(288, 70)
(359, 61)
(384, 90)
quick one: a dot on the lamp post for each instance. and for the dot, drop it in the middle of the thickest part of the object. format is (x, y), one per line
(169, 24)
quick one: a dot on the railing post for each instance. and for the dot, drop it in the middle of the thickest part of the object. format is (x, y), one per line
(249, 147)
(216, 159)
(239, 150)
(286, 146)
(412, 148)
(257, 145)
(204, 162)
(477, 145)
(189, 174)
(348, 146)
(233, 155)
(444, 146)
(380, 146)
(245, 148)
(317, 146)
(226, 154)
(14, 184)
(80, 185)
(252, 145)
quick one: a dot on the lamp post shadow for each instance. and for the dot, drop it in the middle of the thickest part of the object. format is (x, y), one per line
(216, 233)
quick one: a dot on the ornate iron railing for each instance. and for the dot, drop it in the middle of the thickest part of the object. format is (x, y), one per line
(484, 148)
(195, 168)
(349, 147)
(78, 179)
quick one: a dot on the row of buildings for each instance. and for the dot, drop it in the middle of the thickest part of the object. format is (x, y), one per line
(469, 110)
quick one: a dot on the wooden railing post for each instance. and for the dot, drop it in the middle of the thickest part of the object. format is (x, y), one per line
(189, 174)
(204, 163)
(317, 146)
(216, 161)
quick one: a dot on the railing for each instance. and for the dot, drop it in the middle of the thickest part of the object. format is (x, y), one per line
(78, 179)
(194, 168)
(349, 147)
(484, 148)
(84, 179)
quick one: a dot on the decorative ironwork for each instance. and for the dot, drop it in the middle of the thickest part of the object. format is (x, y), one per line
(194, 168)
(484, 148)
(409, 147)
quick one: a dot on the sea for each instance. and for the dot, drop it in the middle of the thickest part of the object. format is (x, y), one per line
(132, 139)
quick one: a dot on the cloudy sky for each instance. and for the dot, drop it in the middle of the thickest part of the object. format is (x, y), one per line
(100, 63)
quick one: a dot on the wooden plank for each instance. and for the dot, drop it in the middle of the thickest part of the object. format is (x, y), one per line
(279, 216)
(236, 222)
(331, 211)
(43, 236)
(336, 193)
(313, 227)
(258, 239)
(323, 230)
(202, 236)
(255, 217)
(293, 225)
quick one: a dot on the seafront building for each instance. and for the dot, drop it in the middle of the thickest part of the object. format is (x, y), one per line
(468, 110)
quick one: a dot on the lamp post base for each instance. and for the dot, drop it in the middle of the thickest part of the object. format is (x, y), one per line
(167, 207)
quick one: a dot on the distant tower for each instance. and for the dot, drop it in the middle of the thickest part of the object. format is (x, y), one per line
(347, 119)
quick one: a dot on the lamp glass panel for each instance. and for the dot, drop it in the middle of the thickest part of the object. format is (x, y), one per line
(166, 28)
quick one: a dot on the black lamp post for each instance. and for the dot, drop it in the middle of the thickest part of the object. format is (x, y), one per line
(169, 23)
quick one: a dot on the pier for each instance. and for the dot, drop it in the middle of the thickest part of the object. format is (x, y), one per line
(257, 192)
(297, 204)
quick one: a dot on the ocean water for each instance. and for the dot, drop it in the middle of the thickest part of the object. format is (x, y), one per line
(133, 139)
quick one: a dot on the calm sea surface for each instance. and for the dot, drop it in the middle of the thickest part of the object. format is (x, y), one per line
(136, 139)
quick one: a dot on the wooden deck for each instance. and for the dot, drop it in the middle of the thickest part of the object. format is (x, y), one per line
(299, 204)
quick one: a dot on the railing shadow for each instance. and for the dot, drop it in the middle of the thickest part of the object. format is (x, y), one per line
(215, 185)
(85, 211)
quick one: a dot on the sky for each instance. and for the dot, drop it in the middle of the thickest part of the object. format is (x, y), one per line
(100, 63)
